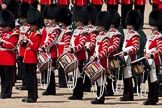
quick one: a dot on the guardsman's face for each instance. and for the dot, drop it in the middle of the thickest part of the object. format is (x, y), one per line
(100, 28)
(51, 21)
(153, 28)
(78, 23)
(130, 27)
(46, 21)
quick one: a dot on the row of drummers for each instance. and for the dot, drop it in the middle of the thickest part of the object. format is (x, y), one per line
(92, 49)
(89, 42)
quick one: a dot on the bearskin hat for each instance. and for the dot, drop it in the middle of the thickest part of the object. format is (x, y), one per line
(64, 16)
(80, 14)
(7, 18)
(13, 6)
(24, 7)
(115, 18)
(133, 18)
(34, 17)
(91, 13)
(52, 11)
(155, 19)
(103, 19)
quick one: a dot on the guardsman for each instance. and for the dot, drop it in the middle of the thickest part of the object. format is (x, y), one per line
(154, 4)
(97, 4)
(153, 49)
(130, 49)
(115, 39)
(126, 5)
(112, 4)
(51, 33)
(77, 42)
(24, 27)
(32, 41)
(63, 41)
(139, 5)
(8, 40)
(91, 40)
(102, 44)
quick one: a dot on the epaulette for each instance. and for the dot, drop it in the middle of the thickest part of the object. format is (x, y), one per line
(114, 32)
(38, 32)
(84, 31)
(15, 32)
(68, 31)
(158, 35)
(92, 30)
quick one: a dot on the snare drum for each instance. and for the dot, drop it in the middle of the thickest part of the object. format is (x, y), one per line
(68, 62)
(44, 61)
(113, 63)
(93, 70)
(140, 65)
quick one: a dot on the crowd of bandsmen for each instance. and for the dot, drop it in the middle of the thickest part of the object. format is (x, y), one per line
(25, 32)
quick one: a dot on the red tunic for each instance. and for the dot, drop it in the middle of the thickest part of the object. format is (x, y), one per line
(78, 41)
(28, 1)
(114, 36)
(132, 40)
(51, 34)
(97, 2)
(155, 46)
(30, 55)
(102, 44)
(7, 53)
(127, 1)
(160, 5)
(63, 41)
(91, 39)
(112, 2)
(80, 2)
(63, 2)
(45, 2)
(140, 2)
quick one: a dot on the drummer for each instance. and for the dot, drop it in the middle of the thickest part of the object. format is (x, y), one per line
(115, 39)
(50, 34)
(130, 49)
(64, 20)
(102, 43)
(153, 49)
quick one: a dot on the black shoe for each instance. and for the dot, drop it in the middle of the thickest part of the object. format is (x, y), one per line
(149, 102)
(47, 93)
(125, 99)
(74, 98)
(29, 100)
(21, 87)
(4, 96)
(96, 101)
(86, 90)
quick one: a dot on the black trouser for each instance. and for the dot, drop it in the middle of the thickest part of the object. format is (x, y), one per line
(52, 85)
(140, 9)
(62, 77)
(31, 80)
(7, 80)
(153, 88)
(128, 89)
(78, 90)
(124, 10)
(112, 7)
(21, 71)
